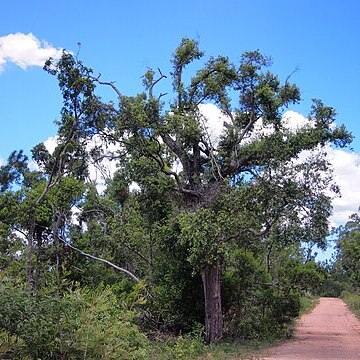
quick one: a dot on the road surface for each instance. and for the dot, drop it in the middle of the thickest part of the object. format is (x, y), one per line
(329, 332)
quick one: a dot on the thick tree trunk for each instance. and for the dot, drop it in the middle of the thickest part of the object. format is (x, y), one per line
(213, 311)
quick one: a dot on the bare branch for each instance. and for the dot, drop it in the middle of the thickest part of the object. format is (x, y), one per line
(21, 231)
(230, 115)
(108, 83)
(162, 76)
(136, 252)
(161, 95)
(107, 262)
(291, 74)
(197, 194)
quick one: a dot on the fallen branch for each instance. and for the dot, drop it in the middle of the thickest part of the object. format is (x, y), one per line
(107, 262)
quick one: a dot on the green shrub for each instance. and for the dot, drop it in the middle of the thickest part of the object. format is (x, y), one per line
(353, 301)
(331, 288)
(189, 346)
(255, 307)
(81, 324)
(307, 304)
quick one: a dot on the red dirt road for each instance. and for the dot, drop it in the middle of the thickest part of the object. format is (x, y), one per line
(329, 332)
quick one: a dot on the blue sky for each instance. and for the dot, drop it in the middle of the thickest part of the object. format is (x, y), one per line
(120, 39)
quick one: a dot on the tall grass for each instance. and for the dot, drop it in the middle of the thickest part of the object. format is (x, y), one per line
(307, 304)
(353, 301)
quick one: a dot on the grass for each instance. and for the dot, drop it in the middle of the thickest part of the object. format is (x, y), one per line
(307, 304)
(193, 348)
(252, 350)
(353, 302)
(232, 351)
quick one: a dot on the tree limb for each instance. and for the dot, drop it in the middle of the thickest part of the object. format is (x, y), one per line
(162, 76)
(107, 262)
(108, 83)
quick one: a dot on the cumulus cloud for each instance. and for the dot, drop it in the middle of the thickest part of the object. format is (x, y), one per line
(294, 121)
(25, 50)
(213, 121)
(50, 144)
(346, 167)
(347, 174)
(100, 172)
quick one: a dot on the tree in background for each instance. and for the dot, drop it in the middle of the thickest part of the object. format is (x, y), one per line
(347, 263)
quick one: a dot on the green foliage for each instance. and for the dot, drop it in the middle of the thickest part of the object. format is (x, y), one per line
(255, 307)
(177, 297)
(80, 324)
(14, 171)
(186, 347)
(353, 301)
(347, 265)
(306, 277)
(331, 286)
(200, 231)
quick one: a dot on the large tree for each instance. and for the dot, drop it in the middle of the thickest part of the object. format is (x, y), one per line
(226, 190)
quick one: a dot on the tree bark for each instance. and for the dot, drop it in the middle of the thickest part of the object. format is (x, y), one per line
(29, 255)
(213, 311)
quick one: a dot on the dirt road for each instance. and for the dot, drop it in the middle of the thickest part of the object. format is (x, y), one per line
(329, 332)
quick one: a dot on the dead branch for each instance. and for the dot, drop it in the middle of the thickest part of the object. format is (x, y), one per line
(107, 262)
(108, 83)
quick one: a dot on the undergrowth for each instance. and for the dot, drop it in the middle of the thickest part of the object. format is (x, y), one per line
(353, 301)
(307, 304)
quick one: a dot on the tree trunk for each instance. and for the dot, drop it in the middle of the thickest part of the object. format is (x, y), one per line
(36, 280)
(213, 311)
(29, 255)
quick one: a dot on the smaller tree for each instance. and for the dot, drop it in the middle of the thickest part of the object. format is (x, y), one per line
(348, 257)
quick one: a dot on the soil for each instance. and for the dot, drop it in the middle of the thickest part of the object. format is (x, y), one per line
(329, 332)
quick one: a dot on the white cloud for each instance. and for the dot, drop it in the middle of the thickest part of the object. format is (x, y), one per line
(213, 121)
(346, 167)
(50, 144)
(25, 50)
(347, 175)
(104, 169)
(134, 187)
(294, 121)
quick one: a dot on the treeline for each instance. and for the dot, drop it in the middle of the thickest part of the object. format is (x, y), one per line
(190, 234)
(343, 273)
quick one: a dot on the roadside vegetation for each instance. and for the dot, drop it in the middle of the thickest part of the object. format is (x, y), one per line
(307, 304)
(353, 301)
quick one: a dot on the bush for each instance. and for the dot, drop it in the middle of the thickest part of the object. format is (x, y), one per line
(80, 324)
(255, 308)
(331, 288)
(189, 346)
(353, 301)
